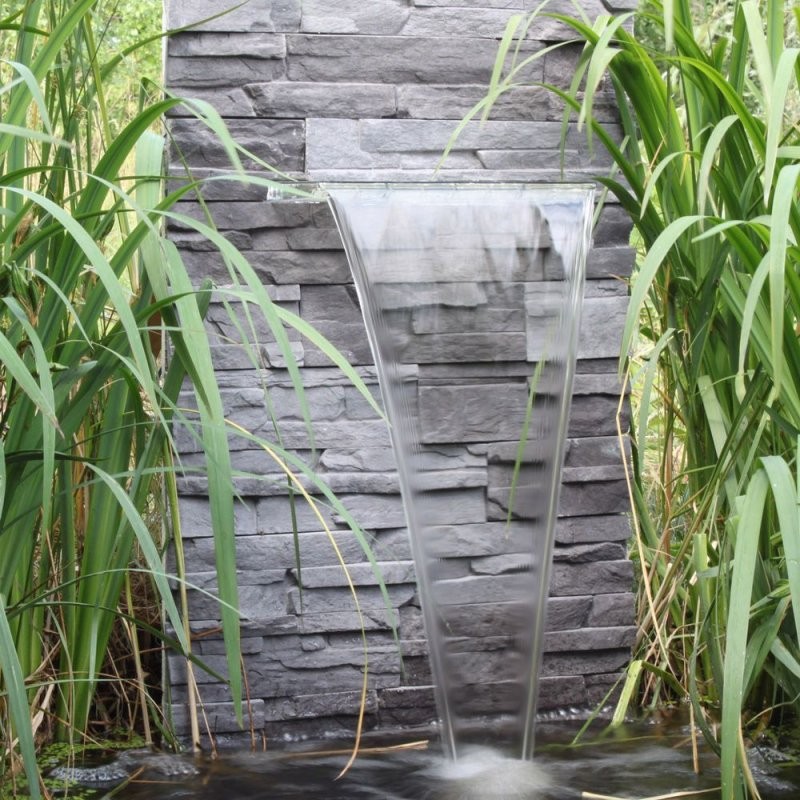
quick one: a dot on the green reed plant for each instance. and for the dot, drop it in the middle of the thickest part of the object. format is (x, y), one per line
(87, 403)
(708, 169)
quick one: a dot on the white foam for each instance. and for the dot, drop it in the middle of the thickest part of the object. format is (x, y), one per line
(483, 773)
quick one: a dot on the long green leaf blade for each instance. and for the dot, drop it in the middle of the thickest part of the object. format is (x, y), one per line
(17, 701)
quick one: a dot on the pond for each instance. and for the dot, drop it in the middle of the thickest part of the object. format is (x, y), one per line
(646, 759)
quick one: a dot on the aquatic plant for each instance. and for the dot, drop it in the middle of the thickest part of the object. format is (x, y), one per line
(85, 413)
(707, 167)
(92, 296)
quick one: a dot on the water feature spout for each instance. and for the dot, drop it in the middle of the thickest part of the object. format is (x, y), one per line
(471, 296)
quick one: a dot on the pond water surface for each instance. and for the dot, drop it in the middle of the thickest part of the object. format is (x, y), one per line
(651, 759)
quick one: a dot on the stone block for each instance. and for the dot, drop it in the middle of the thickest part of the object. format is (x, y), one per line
(316, 377)
(307, 267)
(410, 624)
(209, 265)
(517, 4)
(390, 572)
(254, 15)
(445, 457)
(327, 622)
(183, 75)
(608, 262)
(595, 401)
(195, 515)
(338, 434)
(313, 239)
(565, 613)
(405, 706)
(476, 541)
(530, 158)
(220, 716)
(301, 99)
(479, 589)
(332, 599)
(472, 413)
(441, 508)
(219, 185)
(417, 672)
(593, 528)
(371, 483)
(388, 59)
(337, 144)
(606, 288)
(584, 662)
(354, 639)
(228, 101)
(424, 298)
(427, 483)
(479, 672)
(594, 578)
(230, 324)
(604, 689)
(327, 704)
(189, 240)
(595, 490)
(596, 366)
(237, 356)
(602, 322)
(378, 17)
(362, 459)
(277, 681)
(412, 135)
(596, 450)
(459, 23)
(501, 565)
(500, 700)
(276, 515)
(276, 142)
(562, 692)
(251, 407)
(613, 228)
(487, 319)
(278, 356)
(456, 270)
(530, 492)
(245, 216)
(478, 372)
(560, 65)
(277, 551)
(381, 660)
(334, 312)
(421, 101)
(191, 44)
(256, 603)
(358, 406)
(588, 639)
(584, 553)
(260, 575)
(612, 609)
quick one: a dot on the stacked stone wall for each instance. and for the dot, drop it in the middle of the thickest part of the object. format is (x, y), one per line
(373, 89)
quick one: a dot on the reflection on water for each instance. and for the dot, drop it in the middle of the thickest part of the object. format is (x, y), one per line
(642, 760)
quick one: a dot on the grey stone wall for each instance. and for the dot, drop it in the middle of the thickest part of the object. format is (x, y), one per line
(372, 89)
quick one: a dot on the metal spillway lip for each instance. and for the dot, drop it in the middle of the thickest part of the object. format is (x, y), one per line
(318, 191)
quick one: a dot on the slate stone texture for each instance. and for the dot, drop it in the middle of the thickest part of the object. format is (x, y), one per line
(373, 89)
